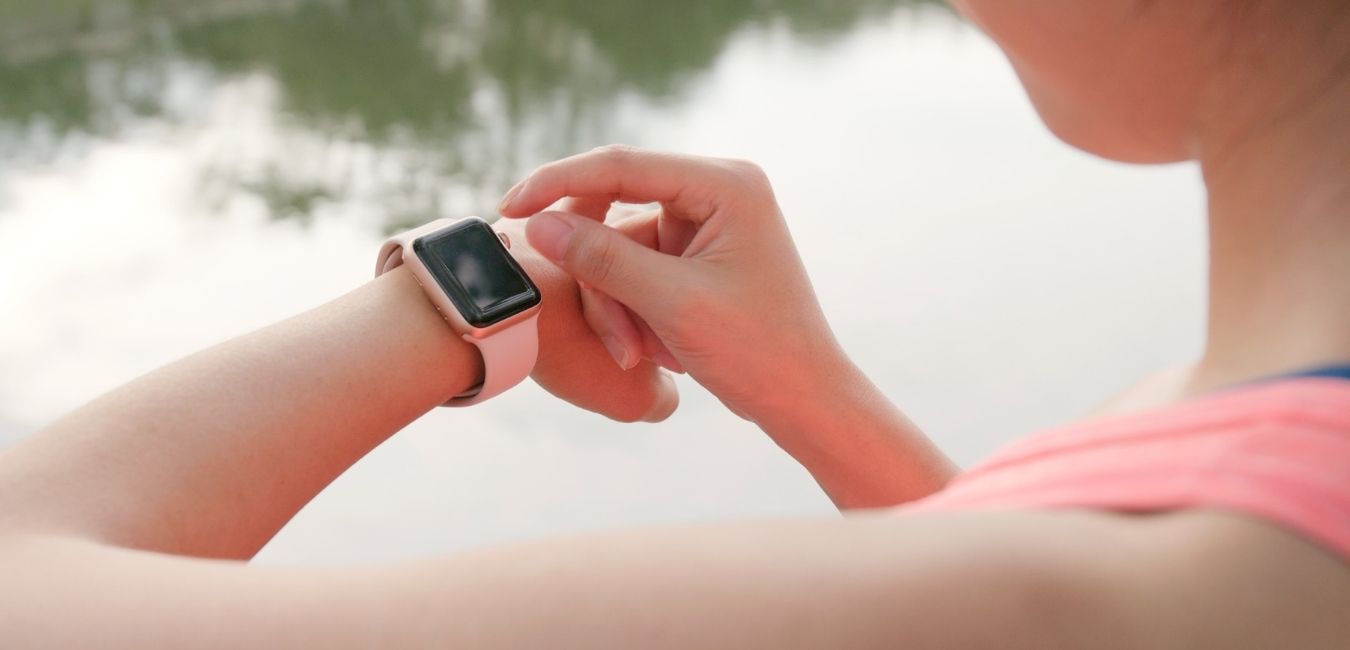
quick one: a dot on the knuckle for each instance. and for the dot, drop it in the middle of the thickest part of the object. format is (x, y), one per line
(616, 152)
(693, 305)
(614, 160)
(747, 171)
(750, 178)
(594, 257)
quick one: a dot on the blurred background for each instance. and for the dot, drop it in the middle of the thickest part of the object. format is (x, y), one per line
(177, 172)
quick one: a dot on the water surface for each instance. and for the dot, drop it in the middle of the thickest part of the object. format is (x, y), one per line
(175, 173)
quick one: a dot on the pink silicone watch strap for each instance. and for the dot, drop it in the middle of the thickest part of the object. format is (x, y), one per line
(508, 354)
(508, 358)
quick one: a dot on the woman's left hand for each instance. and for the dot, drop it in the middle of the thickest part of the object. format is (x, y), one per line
(573, 362)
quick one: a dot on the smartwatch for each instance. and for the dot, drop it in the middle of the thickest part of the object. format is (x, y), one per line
(465, 269)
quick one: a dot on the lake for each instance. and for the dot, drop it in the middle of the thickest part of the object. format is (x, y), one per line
(174, 173)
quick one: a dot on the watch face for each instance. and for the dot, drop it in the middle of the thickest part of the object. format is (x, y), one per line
(476, 272)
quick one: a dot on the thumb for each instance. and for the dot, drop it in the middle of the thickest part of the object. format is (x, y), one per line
(606, 259)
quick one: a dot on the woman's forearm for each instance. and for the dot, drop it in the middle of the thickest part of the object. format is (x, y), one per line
(211, 455)
(858, 446)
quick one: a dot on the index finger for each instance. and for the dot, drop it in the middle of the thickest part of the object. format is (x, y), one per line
(624, 174)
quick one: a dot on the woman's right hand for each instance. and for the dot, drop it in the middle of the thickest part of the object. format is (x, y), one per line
(709, 282)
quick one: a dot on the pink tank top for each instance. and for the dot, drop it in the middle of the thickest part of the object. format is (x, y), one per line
(1279, 451)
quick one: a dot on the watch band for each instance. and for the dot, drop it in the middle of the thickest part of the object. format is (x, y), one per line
(508, 358)
(509, 354)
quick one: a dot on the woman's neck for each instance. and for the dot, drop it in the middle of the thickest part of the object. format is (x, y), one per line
(1278, 178)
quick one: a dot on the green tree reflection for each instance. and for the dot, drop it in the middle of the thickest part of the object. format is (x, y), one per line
(477, 87)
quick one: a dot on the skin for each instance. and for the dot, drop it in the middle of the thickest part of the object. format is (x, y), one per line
(126, 523)
(1255, 91)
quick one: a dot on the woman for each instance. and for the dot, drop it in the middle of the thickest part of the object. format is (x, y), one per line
(1208, 507)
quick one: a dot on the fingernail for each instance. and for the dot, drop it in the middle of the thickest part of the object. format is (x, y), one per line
(510, 196)
(666, 403)
(550, 235)
(618, 351)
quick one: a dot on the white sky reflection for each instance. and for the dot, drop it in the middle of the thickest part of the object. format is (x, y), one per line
(989, 278)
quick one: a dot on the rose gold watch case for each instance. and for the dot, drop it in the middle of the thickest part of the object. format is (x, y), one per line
(509, 347)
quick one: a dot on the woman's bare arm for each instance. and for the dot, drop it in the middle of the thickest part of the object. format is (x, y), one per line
(91, 509)
(211, 455)
(1073, 579)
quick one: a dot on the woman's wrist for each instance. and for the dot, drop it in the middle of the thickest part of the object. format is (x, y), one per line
(861, 449)
(802, 392)
(805, 399)
(431, 350)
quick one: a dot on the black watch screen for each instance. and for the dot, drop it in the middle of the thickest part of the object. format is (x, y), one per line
(476, 271)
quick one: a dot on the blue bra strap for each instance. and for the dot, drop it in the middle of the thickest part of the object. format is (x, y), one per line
(1336, 371)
